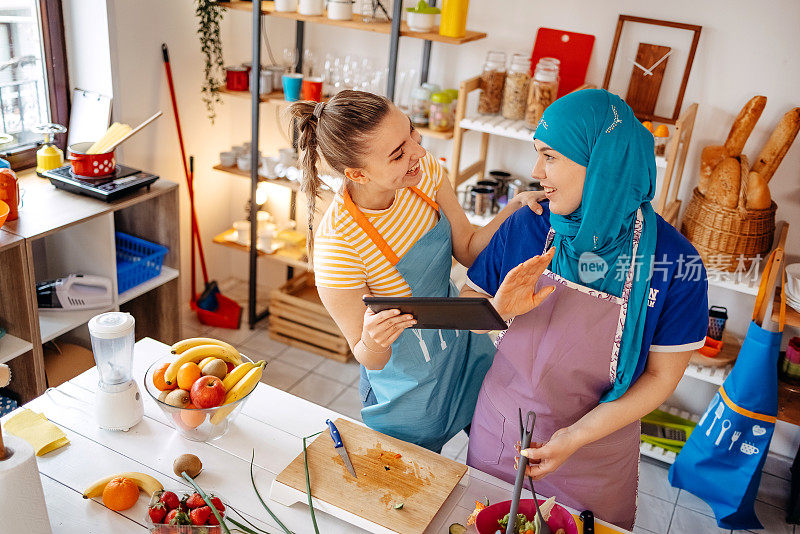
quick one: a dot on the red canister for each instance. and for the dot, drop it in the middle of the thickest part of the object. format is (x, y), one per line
(90, 165)
(311, 89)
(237, 78)
(9, 192)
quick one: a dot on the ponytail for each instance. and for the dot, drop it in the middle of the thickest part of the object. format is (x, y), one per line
(303, 113)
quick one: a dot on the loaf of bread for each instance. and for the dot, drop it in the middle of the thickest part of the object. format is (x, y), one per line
(709, 159)
(723, 187)
(744, 124)
(778, 144)
(758, 196)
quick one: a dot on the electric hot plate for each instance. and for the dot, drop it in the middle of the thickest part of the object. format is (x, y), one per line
(123, 182)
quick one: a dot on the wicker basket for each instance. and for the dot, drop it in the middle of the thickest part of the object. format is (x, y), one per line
(722, 235)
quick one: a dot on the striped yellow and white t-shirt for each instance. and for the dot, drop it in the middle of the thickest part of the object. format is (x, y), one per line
(346, 258)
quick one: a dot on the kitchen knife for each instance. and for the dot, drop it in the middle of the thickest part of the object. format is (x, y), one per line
(588, 521)
(339, 446)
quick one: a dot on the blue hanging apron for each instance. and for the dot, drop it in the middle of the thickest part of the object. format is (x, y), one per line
(722, 460)
(427, 391)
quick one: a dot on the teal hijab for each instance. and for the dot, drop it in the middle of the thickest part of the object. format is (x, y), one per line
(599, 131)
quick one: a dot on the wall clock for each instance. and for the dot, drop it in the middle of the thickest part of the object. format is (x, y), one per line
(654, 81)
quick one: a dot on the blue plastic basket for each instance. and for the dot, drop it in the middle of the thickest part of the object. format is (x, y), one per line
(137, 260)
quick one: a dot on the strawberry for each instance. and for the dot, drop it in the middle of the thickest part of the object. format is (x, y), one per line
(170, 500)
(177, 517)
(157, 512)
(217, 504)
(212, 519)
(200, 515)
(195, 501)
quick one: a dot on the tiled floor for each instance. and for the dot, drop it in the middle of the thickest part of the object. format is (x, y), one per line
(662, 509)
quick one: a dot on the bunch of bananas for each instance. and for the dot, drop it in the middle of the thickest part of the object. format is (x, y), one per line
(198, 350)
(238, 384)
(145, 482)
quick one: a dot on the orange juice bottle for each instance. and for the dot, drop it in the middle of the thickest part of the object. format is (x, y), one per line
(454, 18)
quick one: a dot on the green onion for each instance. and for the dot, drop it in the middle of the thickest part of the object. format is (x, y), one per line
(242, 528)
(260, 530)
(207, 500)
(253, 481)
(308, 482)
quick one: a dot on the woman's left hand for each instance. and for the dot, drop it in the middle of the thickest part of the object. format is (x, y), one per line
(530, 199)
(545, 458)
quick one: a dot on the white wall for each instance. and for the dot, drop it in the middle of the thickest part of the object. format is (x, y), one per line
(745, 49)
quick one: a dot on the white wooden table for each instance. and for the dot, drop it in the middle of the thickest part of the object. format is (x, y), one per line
(272, 422)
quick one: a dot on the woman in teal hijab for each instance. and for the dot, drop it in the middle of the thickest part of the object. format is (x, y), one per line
(601, 338)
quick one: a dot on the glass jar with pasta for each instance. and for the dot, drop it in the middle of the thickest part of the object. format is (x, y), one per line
(543, 90)
(516, 89)
(493, 78)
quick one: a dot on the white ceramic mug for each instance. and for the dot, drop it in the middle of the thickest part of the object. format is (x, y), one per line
(286, 5)
(340, 9)
(268, 166)
(310, 7)
(227, 159)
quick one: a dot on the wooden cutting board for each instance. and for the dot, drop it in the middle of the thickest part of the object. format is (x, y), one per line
(390, 472)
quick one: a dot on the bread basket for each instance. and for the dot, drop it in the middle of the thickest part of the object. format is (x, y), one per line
(724, 237)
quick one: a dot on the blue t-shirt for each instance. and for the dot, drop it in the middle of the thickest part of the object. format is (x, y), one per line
(677, 309)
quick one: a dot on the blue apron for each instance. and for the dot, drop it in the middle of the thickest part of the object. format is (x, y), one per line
(427, 391)
(722, 460)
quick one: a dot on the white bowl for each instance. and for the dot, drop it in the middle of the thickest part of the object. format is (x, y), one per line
(421, 22)
(227, 159)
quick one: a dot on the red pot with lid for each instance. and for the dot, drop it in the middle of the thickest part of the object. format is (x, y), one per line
(90, 165)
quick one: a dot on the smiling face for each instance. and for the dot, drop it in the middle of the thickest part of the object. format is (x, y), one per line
(392, 160)
(561, 178)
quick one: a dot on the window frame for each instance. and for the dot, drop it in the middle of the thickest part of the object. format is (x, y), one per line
(55, 59)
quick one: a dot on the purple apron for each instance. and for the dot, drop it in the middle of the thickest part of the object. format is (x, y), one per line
(558, 360)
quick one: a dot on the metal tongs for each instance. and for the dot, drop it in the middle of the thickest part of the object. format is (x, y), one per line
(526, 432)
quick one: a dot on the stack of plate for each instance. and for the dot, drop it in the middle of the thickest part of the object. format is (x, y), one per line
(793, 285)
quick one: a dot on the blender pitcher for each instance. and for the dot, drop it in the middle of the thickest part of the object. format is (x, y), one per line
(118, 403)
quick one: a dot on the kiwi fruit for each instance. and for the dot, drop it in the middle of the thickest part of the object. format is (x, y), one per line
(189, 463)
(162, 397)
(178, 398)
(216, 368)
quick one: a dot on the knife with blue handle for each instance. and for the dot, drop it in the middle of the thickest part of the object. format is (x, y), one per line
(339, 446)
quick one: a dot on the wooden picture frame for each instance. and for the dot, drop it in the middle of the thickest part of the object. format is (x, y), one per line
(687, 69)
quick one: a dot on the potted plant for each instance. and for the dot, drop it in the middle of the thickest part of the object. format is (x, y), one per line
(422, 17)
(209, 14)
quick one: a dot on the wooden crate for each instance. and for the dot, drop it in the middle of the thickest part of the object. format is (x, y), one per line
(298, 318)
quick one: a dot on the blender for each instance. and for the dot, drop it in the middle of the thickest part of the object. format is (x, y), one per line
(118, 403)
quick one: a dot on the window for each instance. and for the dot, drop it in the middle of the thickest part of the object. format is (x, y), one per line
(33, 80)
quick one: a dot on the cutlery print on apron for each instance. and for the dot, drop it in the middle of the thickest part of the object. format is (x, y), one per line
(750, 433)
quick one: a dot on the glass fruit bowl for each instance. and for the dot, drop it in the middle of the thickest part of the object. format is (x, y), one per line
(194, 423)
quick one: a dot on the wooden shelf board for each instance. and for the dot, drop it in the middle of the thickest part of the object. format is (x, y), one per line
(788, 403)
(792, 316)
(224, 240)
(11, 347)
(268, 8)
(167, 274)
(53, 323)
(427, 132)
(283, 182)
(246, 94)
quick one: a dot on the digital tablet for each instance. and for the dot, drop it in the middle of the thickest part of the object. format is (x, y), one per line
(446, 313)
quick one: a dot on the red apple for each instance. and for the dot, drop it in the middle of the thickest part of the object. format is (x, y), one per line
(230, 366)
(207, 392)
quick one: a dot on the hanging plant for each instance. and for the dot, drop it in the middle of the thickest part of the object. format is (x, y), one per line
(209, 14)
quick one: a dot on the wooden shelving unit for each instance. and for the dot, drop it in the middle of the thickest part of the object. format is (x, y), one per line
(225, 239)
(268, 8)
(59, 233)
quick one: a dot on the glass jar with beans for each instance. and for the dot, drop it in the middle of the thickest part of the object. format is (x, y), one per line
(515, 92)
(543, 90)
(493, 79)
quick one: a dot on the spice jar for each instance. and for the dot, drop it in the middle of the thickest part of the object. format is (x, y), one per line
(442, 114)
(420, 106)
(543, 90)
(493, 78)
(515, 92)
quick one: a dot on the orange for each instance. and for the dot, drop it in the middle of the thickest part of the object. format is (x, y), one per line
(192, 417)
(648, 125)
(187, 374)
(661, 131)
(120, 494)
(158, 379)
